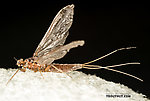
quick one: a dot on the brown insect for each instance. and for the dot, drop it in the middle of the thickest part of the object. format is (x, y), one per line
(51, 48)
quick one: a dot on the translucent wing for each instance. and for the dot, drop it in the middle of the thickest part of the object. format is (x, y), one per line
(57, 32)
(58, 52)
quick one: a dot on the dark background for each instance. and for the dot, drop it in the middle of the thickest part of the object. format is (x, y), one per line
(104, 27)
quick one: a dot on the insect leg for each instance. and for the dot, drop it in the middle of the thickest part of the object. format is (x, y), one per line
(60, 70)
(12, 77)
(23, 69)
(47, 69)
(41, 74)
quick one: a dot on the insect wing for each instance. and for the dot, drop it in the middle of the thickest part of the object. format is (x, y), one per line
(57, 32)
(59, 52)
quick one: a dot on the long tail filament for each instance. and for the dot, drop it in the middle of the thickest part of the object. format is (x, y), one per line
(85, 65)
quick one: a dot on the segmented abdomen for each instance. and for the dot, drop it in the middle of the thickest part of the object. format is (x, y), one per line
(62, 67)
(32, 65)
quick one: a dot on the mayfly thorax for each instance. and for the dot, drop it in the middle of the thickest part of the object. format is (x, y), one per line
(52, 48)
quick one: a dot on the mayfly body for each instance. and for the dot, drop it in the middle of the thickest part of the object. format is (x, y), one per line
(52, 48)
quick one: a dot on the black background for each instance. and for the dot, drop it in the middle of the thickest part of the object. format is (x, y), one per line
(104, 27)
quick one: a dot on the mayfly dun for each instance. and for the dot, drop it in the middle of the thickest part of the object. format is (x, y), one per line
(52, 48)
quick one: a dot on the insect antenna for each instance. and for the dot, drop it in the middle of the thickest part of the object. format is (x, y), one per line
(15, 59)
(85, 65)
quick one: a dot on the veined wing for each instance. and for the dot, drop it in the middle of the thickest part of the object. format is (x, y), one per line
(57, 32)
(58, 52)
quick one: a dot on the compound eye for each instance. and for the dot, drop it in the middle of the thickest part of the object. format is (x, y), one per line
(18, 62)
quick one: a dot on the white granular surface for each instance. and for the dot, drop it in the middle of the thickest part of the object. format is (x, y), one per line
(30, 86)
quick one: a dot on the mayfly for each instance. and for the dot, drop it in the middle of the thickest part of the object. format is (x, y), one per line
(52, 48)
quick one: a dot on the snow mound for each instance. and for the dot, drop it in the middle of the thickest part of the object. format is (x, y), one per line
(30, 86)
